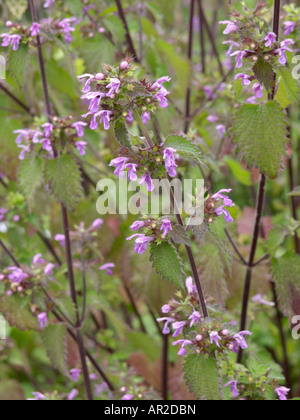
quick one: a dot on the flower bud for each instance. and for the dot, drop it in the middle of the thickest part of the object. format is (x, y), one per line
(266, 57)
(100, 76)
(255, 58)
(199, 337)
(252, 46)
(225, 333)
(9, 24)
(124, 65)
(102, 30)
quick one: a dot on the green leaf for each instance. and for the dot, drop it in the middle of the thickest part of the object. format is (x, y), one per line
(199, 230)
(119, 325)
(180, 236)
(289, 85)
(30, 177)
(203, 378)
(67, 306)
(63, 176)
(167, 263)
(184, 146)
(240, 173)
(122, 134)
(260, 134)
(276, 238)
(17, 8)
(54, 337)
(17, 64)
(138, 341)
(286, 274)
(16, 312)
(264, 73)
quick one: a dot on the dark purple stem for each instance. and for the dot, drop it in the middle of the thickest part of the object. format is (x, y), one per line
(15, 99)
(129, 40)
(189, 54)
(259, 211)
(65, 223)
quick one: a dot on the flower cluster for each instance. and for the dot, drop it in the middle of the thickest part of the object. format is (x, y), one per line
(6, 215)
(111, 91)
(17, 33)
(155, 230)
(215, 206)
(48, 136)
(256, 49)
(147, 164)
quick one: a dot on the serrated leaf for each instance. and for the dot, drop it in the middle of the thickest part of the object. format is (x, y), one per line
(289, 85)
(180, 236)
(199, 230)
(54, 337)
(184, 146)
(122, 134)
(16, 311)
(203, 378)
(17, 64)
(30, 177)
(167, 263)
(260, 134)
(264, 73)
(67, 306)
(17, 8)
(286, 274)
(275, 238)
(63, 176)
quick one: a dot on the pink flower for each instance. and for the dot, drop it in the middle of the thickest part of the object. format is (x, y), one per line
(240, 340)
(25, 149)
(183, 343)
(170, 162)
(37, 397)
(146, 179)
(132, 168)
(195, 318)
(214, 338)
(81, 146)
(146, 117)
(233, 389)
(221, 128)
(166, 330)
(43, 319)
(239, 58)
(61, 239)
(87, 85)
(231, 26)
(141, 242)
(11, 40)
(35, 29)
(166, 309)
(127, 397)
(232, 45)
(282, 393)
(137, 225)
(270, 39)
(48, 3)
(212, 119)
(244, 77)
(49, 269)
(178, 327)
(75, 374)
(190, 286)
(73, 394)
(79, 127)
(38, 260)
(166, 227)
(259, 299)
(113, 87)
(17, 274)
(289, 27)
(95, 225)
(108, 268)
(3, 212)
(120, 165)
(258, 90)
(130, 117)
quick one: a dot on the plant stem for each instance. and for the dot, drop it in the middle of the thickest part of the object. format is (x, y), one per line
(65, 223)
(179, 219)
(190, 55)
(128, 36)
(286, 365)
(15, 99)
(259, 210)
(7, 251)
(212, 39)
(202, 37)
(165, 351)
